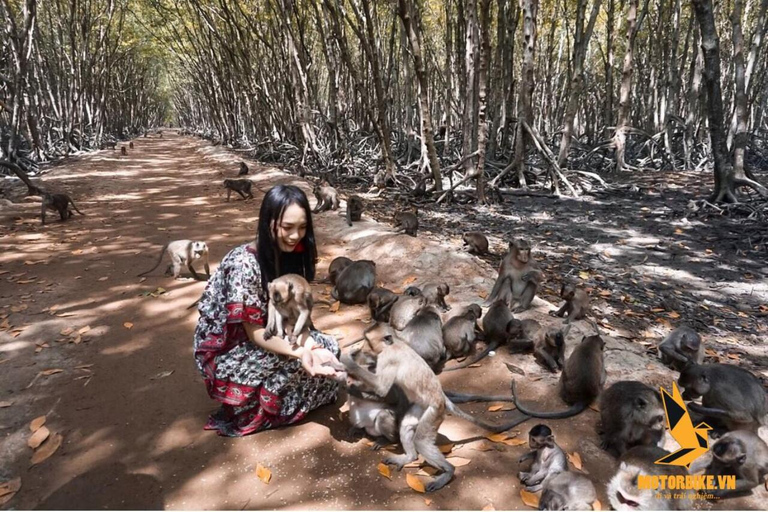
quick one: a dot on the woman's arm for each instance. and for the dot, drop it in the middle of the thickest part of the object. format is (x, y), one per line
(274, 344)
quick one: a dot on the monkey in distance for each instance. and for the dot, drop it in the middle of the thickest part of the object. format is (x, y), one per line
(183, 252)
(548, 458)
(497, 323)
(123, 151)
(475, 242)
(336, 267)
(567, 491)
(576, 304)
(460, 331)
(55, 202)
(624, 492)
(740, 453)
(243, 169)
(581, 381)
(380, 302)
(406, 222)
(355, 282)
(327, 198)
(680, 348)
(130, 144)
(355, 206)
(290, 302)
(631, 414)
(242, 187)
(732, 398)
(518, 272)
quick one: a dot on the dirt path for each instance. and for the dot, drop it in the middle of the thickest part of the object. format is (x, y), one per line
(129, 401)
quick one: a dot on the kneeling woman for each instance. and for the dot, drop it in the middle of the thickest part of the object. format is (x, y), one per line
(262, 384)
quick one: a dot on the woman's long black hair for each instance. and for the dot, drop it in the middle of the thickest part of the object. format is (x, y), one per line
(272, 261)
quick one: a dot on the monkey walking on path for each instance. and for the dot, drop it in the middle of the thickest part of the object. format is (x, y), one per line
(183, 252)
(55, 202)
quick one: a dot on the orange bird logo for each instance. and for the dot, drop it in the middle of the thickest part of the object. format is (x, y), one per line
(693, 441)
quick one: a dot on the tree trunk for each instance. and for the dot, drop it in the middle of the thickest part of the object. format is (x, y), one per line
(482, 103)
(525, 107)
(469, 117)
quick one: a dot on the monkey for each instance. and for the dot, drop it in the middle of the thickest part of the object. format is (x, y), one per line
(523, 334)
(355, 207)
(576, 303)
(398, 364)
(406, 222)
(55, 202)
(336, 267)
(624, 492)
(497, 323)
(581, 381)
(567, 491)
(413, 291)
(183, 252)
(524, 277)
(475, 242)
(404, 309)
(680, 348)
(327, 198)
(631, 414)
(549, 348)
(740, 453)
(435, 294)
(460, 331)
(731, 397)
(290, 301)
(424, 334)
(380, 302)
(123, 151)
(242, 187)
(376, 416)
(243, 169)
(161, 133)
(548, 458)
(108, 145)
(130, 144)
(355, 282)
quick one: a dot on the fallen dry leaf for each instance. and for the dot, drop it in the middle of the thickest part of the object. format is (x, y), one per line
(575, 460)
(495, 408)
(128, 325)
(6, 403)
(497, 438)
(597, 505)
(514, 442)
(47, 449)
(9, 489)
(478, 365)
(445, 449)
(51, 371)
(384, 470)
(67, 331)
(459, 461)
(38, 437)
(263, 473)
(84, 330)
(427, 471)
(162, 375)
(482, 294)
(409, 280)
(334, 307)
(489, 507)
(485, 446)
(529, 498)
(415, 482)
(37, 423)
(427, 501)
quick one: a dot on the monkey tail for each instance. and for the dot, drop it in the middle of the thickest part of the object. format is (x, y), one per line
(487, 350)
(75, 207)
(571, 411)
(456, 411)
(159, 260)
(463, 398)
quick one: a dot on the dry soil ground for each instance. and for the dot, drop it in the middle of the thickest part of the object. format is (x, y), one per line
(127, 398)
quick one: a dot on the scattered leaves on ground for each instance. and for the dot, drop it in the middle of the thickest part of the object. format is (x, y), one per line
(415, 483)
(9, 489)
(529, 498)
(47, 449)
(36, 439)
(128, 325)
(36, 423)
(459, 461)
(384, 470)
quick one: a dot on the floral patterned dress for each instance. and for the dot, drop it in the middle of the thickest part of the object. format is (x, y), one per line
(259, 389)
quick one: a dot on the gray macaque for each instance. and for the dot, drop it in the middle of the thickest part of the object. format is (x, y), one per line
(242, 187)
(183, 252)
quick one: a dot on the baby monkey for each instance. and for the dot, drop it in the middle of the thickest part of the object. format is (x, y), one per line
(567, 491)
(290, 302)
(576, 303)
(548, 458)
(327, 198)
(680, 348)
(242, 187)
(243, 169)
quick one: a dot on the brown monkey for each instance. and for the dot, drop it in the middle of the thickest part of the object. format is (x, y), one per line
(497, 324)
(549, 348)
(731, 397)
(242, 187)
(524, 278)
(407, 222)
(404, 309)
(460, 331)
(55, 202)
(548, 458)
(680, 348)
(424, 334)
(631, 414)
(355, 207)
(336, 267)
(475, 242)
(435, 294)
(161, 133)
(380, 302)
(130, 144)
(741, 453)
(183, 252)
(243, 169)
(290, 301)
(576, 303)
(581, 381)
(523, 334)
(123, 151)
(327, 198)
(398, 364)
(355, 282)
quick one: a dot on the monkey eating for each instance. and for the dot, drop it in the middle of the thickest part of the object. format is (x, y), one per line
(549, 348)
(517, 272)
(576, 303)
(548, 458)
(355, 207)
(475, 243)
(380, 302)
(290, 302)
(327, 198)
(497, 323)
(731, 397)
(460, 331)
(242, 187)
(631, 414)
(243, 169)
(183, 252)
(680, 348)
(739, 453)
(355, 282)
(406, 222)
(55, 202)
